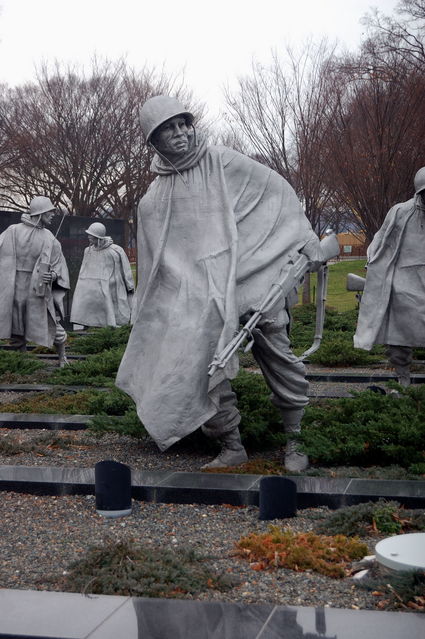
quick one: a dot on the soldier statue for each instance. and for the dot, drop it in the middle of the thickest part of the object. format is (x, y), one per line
(105, 286)
(35, 281)
(392, 309)
(215, 230)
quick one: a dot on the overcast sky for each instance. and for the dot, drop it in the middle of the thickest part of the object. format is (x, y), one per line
(214, 42)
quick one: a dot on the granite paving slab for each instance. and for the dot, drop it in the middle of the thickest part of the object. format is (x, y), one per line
(53, 356)
(56, 615)
(43, 420)
(369, 377)
(212, 488)
(41, 614)
(43, 388)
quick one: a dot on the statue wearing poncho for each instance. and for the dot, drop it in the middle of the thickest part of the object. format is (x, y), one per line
(25, 314)
(392, 310)
(104, 291)
(214, 231)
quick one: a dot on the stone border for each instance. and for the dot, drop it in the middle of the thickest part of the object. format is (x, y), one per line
(43, 420)
(212, 488)
(57, 615)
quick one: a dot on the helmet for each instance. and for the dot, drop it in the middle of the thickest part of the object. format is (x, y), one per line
(97, 229)
(420, 180)
(40, 204)
(158, 110)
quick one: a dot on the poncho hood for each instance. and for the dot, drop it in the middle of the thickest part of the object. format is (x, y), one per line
(103, 243)
(197, 149)
(29, 221)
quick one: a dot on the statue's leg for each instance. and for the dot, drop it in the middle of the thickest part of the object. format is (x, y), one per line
(401, 358)
(285, 375)
(18, 343)
(60, 342)
(224, 427)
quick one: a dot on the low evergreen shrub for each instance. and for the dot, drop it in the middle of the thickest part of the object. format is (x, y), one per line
(41, 444)
(10, 445)
(252, 467)
(260, 425)
(368, 429)
(362, 519)
(419, 353)
(261, 422)
(345, 321)
(337, 349)
(96, 370)
(55, 401)
(279, 548)
(404, 590)
(135, 570)
(102, 339)
(128, 424)
(112, 402)
(247, 360)
(303, 320)
(19, 363)
(304, 323)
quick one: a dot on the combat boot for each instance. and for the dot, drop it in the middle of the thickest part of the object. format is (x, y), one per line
(403, 375)
(294, 460)
(18, 343)
(232, 452)
(60, 349)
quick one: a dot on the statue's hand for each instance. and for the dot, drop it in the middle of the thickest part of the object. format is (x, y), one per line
(313, 252)
(49, 277)
(315, 263)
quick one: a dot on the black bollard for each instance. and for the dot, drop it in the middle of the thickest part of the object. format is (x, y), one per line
(278, 498)
(112, 488)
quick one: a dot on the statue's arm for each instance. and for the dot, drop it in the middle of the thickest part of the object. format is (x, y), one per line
(59, 267)
(125, 268)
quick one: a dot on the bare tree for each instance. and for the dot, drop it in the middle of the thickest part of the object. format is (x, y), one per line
(375, 143)
(258, 114)
(77, 137)
(400, 37)
(284, 113)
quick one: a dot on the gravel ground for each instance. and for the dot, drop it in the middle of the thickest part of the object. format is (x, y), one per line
(40, 536)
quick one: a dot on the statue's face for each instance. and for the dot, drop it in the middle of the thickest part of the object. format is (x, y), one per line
(172, 137)
(92, 240)
(47, 217)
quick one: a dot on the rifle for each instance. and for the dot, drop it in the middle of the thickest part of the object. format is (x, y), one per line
(356, 283)
(44, 267)
(290, 277)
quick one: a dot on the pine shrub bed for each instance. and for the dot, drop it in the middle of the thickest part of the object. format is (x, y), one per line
(101, 339)
(15, 362)
(96, 370)
(136, 570)
(365, 430)
(368, 429)
(328, 555)
(386, 517)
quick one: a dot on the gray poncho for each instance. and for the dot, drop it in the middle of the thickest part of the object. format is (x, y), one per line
(392, 310)
(104, 290)
(22, 248)
(212, 239)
